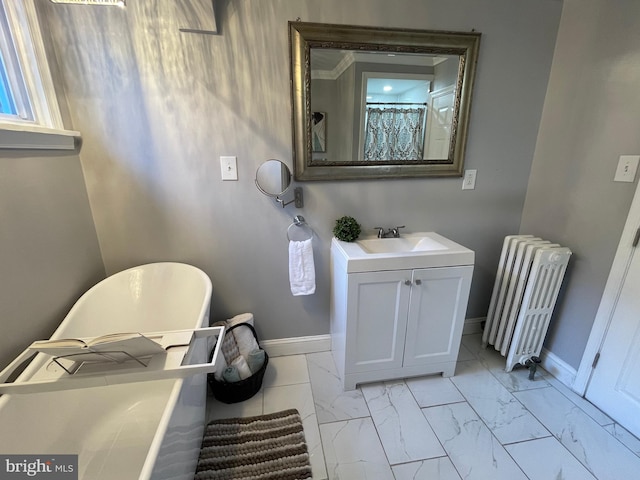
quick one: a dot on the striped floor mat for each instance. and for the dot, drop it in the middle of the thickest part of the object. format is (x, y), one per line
(266, 447)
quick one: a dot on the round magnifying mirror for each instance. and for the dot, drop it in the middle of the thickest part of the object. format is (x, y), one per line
(273, 178)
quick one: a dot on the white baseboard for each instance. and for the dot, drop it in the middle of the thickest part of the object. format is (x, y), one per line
(322, 343)
(473, 325)
(553, 364)
(557, 367)
(296, 345)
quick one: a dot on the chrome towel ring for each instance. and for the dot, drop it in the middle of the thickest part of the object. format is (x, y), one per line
(302, 231)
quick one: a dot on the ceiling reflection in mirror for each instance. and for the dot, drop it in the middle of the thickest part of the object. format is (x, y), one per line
(371, 103)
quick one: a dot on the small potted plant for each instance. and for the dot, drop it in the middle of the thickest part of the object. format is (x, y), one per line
(347, 229)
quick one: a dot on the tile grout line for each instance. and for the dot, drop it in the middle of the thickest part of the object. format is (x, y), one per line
(491, 431)
(579, 407)
(623, 443)
(558, 439)
(513, 396)
(386, 455)
(487, 426)
(313, 399)
(429, 423)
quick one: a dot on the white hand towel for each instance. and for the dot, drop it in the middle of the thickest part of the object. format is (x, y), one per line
(302, 273)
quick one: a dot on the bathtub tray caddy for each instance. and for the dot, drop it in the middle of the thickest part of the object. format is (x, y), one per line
(72, 353)
(50, 372)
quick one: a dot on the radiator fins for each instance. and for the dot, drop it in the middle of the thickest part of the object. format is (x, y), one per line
(528, 281)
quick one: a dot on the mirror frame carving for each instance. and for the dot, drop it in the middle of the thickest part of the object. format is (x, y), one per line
(303, 36)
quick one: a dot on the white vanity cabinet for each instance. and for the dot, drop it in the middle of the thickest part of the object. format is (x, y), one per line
(398, 323)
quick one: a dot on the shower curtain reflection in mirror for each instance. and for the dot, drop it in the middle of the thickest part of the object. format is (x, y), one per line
(394, 133)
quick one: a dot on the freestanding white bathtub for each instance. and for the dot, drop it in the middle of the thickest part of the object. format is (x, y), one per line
(146, 430)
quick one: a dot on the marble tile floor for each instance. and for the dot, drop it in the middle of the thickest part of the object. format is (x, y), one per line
(480, 424)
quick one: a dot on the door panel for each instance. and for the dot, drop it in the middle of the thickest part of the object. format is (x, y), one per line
(379, 315)
(615, 384)
(436, 314)
(438, 129)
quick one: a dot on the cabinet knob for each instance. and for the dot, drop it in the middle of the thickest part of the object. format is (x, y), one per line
(407, 282)
(418, 282)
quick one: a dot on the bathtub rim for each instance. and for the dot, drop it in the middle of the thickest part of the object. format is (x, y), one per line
(38, 361)
(82, 298)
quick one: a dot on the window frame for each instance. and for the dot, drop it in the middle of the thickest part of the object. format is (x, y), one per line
(38, 123)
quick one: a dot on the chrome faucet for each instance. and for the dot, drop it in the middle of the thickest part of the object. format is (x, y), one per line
(391, 232)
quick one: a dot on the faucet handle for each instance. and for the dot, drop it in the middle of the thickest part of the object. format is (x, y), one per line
(380, 231)
(396, 232)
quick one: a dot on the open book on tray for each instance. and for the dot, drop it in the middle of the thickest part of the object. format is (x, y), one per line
(112, 347)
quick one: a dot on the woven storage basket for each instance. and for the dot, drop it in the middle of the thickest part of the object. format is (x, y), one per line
(234, 392)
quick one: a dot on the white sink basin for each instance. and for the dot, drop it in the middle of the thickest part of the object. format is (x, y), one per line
(410, 250)
(413, 243)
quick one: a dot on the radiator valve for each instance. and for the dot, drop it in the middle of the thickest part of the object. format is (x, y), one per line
(532, 365)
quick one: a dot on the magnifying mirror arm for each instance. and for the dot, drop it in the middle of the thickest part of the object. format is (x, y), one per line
(297, 198)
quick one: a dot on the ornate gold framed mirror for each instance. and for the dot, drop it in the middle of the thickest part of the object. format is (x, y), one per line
(391, 102)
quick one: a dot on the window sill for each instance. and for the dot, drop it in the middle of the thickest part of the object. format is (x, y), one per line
(35, 137)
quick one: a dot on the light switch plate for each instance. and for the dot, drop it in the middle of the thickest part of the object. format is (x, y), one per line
(627, 166)
(229, 168)
(469, 181)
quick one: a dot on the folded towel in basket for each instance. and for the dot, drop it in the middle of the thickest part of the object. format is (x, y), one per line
(231, 374)
(221, 366)
(243, 368)
(245, 340)
(241, 318)
(228, 352)
(256, 360)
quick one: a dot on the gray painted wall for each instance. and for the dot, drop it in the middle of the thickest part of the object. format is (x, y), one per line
(446, 74)
(591, 117)
(326, 100)
(157, 108)
(48, 246)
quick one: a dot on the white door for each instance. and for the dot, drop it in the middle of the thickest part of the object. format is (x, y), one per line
(438, 131)
(615, 384)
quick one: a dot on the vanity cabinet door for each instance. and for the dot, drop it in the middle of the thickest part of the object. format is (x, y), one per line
(377, 310)
(436, 315)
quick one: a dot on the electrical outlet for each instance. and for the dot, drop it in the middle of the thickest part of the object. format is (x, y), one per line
(627, 166)
(229, 168)
(469, 181)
